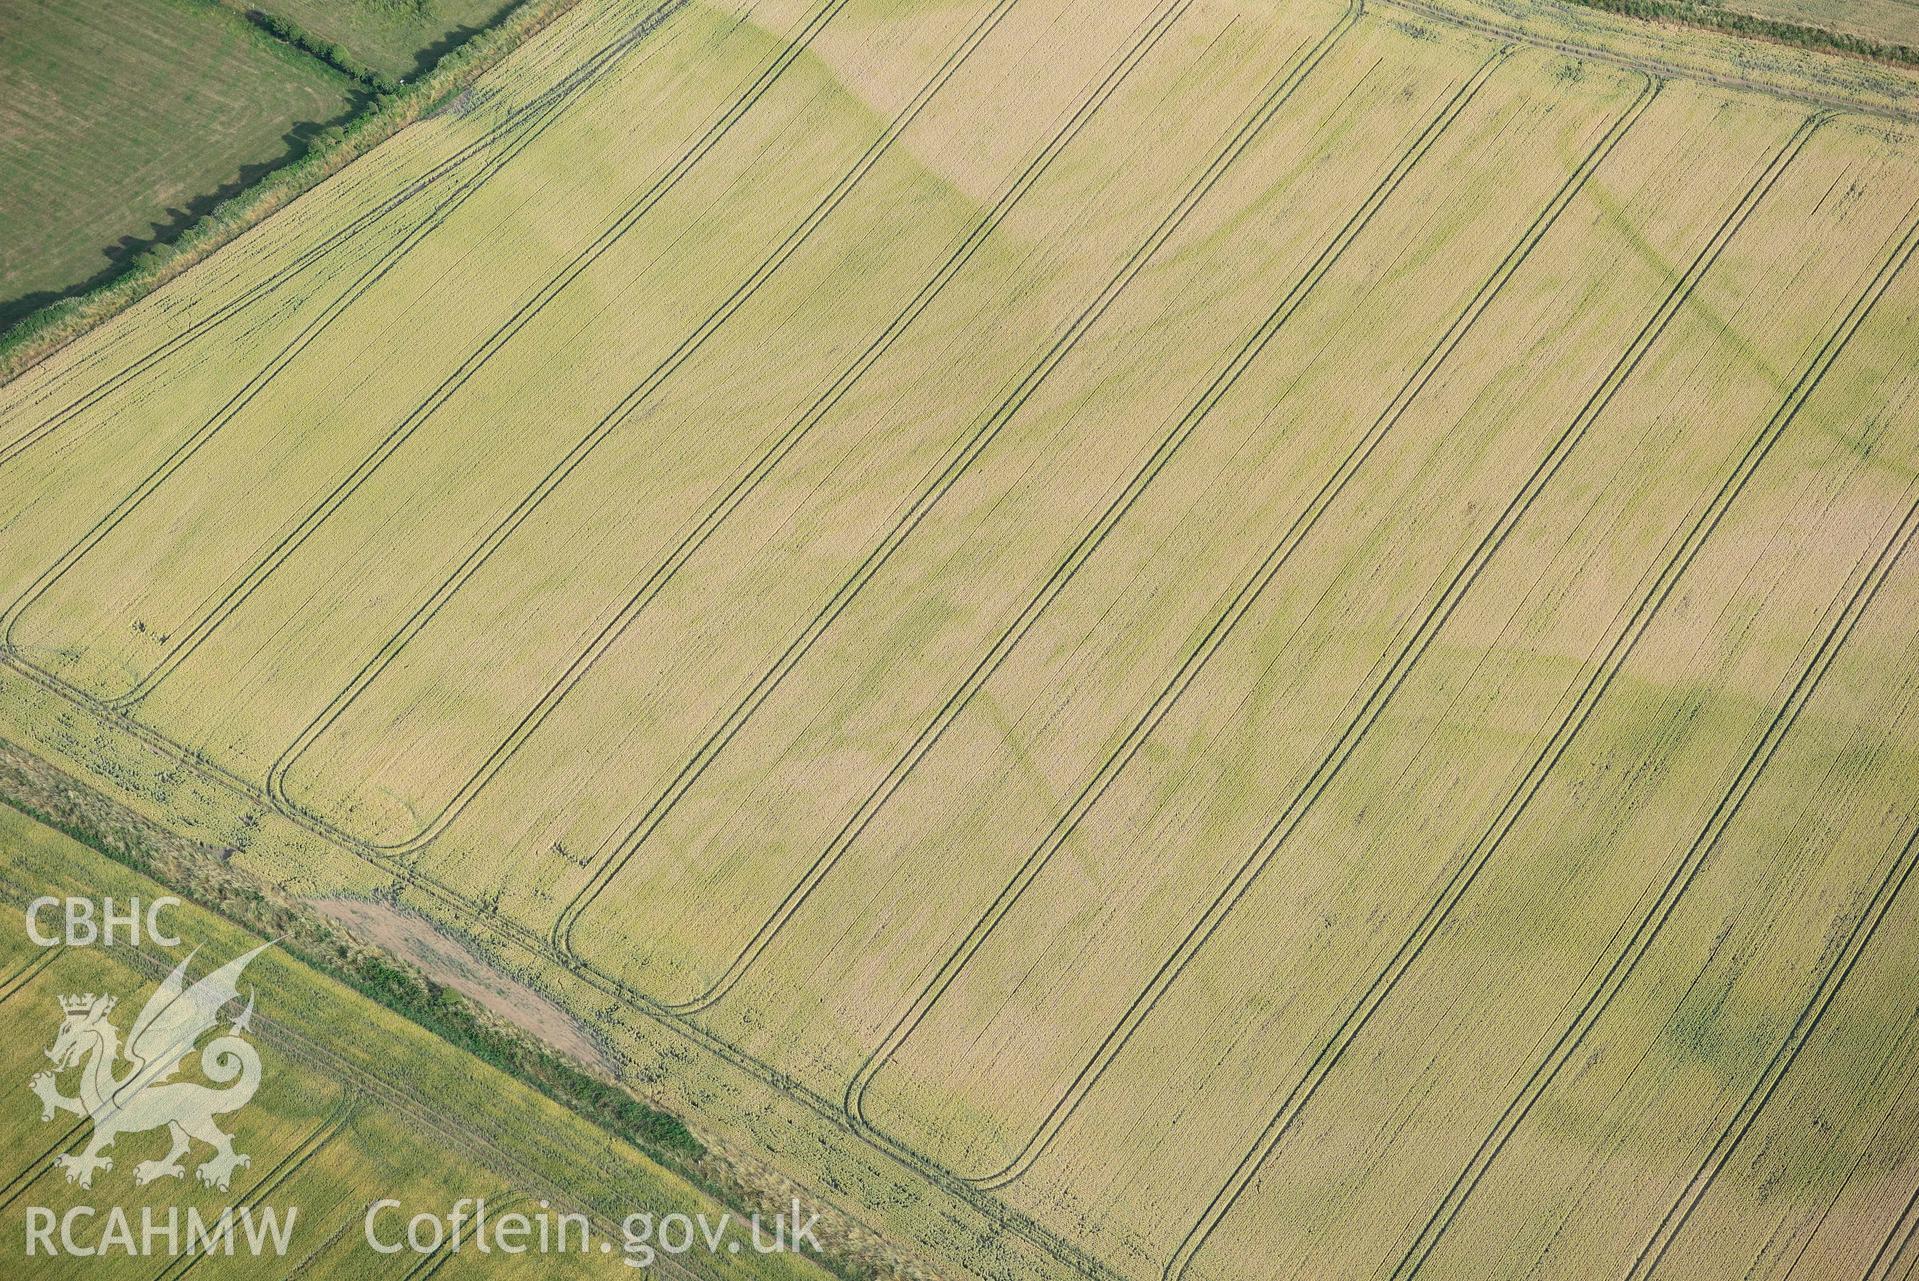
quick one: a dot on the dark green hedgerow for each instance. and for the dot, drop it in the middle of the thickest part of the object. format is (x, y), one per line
(337, 56)
(204, 875)
(1717, 18)
(402, 989)
(450, 1016)
(41, 333)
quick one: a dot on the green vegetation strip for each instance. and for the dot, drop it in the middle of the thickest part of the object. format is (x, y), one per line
(202, 876)
(334, 55)
(1714, 17)
(388, 110)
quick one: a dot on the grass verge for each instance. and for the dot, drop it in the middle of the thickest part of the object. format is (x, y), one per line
(203, 875)
(1714, 18)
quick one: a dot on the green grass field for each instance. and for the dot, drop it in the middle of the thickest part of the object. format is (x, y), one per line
(354, 1106)
(395, 37)
(122, 121)
(1890, 21)
(1175, 639)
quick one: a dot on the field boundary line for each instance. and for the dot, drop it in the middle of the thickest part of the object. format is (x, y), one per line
(423, 1111)
(157, 478)
(532, 118)
(539, 949)
(730, 498)
(824, 1109)
(1650, 923)
(1438, 910)
(615, 418)
(163, 297)
(258, 382)
(552, 101)
(1000, 1215)
(1656, 67)
(990, 1208)
(970, 447)
(200, 628)
(615, 231)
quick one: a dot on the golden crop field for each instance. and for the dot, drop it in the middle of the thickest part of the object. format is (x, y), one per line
(1170, 639)
(354, 1104)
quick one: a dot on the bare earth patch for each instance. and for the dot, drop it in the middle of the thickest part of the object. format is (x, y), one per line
(445, 959)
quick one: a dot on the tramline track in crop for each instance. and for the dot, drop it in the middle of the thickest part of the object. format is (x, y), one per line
(962, 459)
(743, 487)
(1387, 979)
(1392, 669)
(203, 626)
(1646, 928)
(520, 128)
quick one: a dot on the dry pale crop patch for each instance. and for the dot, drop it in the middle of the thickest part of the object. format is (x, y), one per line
(1151, 640)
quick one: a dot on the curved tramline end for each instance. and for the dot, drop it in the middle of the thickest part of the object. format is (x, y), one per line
(866, 929)
(1422, 142)
(281, 771)
(957, 704)
(285, 763)
(182, 639)
(204, 625)
(957, 462)
(1383, 680)
(9, 620)
(742, 487)
(1181, 638)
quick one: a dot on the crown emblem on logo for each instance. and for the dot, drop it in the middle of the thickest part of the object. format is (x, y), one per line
(126, 1086)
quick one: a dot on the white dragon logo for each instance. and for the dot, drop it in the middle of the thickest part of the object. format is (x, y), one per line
(175, 1018)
